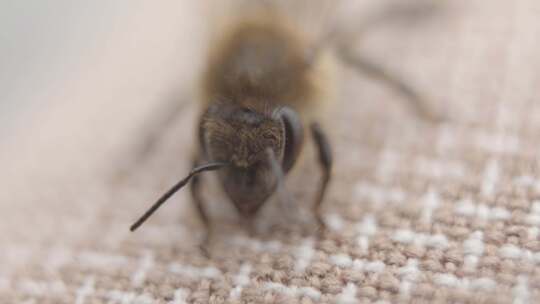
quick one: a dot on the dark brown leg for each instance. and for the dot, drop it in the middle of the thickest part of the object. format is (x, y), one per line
(325, 161)
(199, 205)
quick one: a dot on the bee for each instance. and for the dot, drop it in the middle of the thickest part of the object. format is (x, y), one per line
(262, 83)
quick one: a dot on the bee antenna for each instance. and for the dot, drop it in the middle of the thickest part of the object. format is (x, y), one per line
(206, 167)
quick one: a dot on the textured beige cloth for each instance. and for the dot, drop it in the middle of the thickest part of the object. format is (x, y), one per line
(417, 212)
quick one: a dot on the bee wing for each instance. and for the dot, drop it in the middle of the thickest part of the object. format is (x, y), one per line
(313, 17)
(326, 21)
(316, 18)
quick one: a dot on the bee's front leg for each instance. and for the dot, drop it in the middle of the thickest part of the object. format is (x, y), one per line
(325, 162)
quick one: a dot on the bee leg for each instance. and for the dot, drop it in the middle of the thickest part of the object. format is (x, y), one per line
(199, 204)
(419, 105)
(249, 225)
(162, 121)
(325, 162)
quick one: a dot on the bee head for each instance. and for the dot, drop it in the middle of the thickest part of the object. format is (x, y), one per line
(252, 143)
(240, 136)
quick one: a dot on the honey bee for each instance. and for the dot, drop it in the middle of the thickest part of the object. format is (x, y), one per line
(261, 85)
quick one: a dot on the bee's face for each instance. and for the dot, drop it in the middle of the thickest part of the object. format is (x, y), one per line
(242, 138)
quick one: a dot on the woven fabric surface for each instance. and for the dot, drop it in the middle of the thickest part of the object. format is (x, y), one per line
(417, 212)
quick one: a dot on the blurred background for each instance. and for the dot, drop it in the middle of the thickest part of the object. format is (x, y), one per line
(97, 107)
(77, 76)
